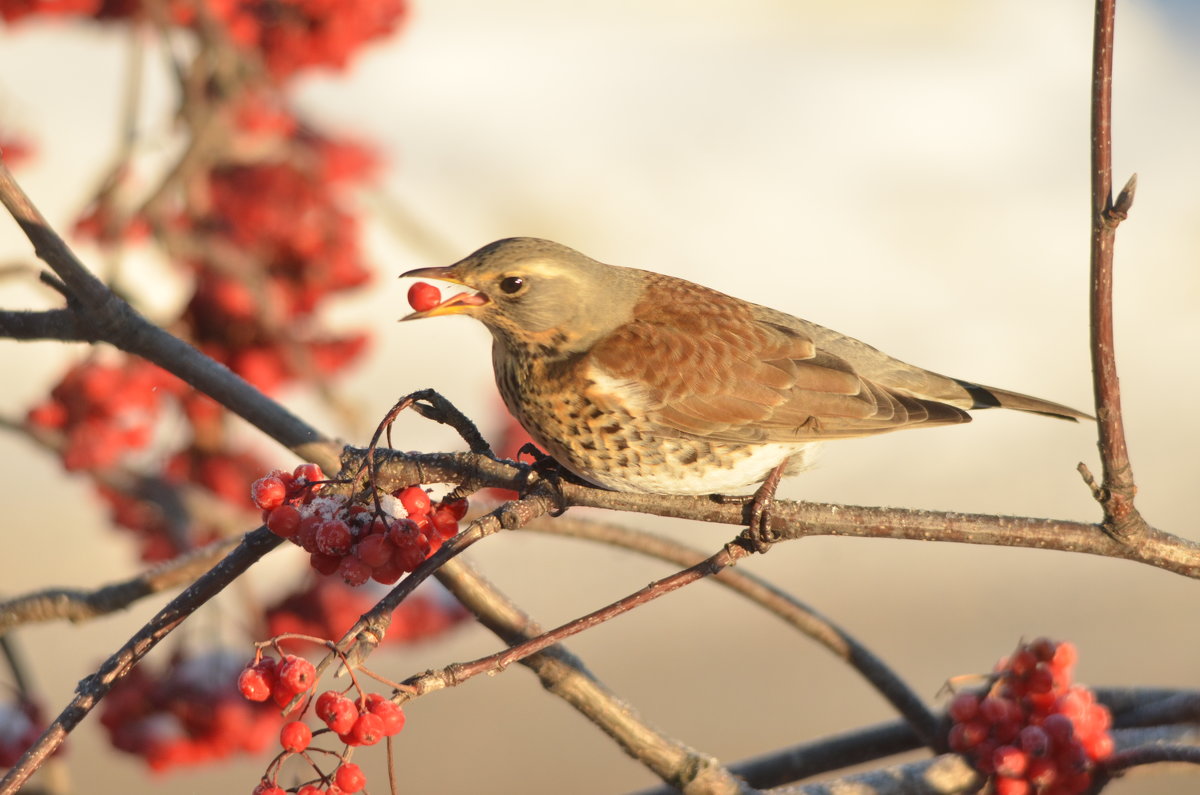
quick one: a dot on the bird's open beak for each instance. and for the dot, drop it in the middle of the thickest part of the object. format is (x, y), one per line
(455, 304)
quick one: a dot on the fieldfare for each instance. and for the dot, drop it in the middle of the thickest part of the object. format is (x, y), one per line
(641, 382)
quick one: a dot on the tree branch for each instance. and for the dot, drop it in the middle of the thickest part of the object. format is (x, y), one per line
(1116, 494)
(91, 690)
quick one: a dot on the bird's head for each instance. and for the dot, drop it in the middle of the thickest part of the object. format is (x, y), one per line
(529, 291)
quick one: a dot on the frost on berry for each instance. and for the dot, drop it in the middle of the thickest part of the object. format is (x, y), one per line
(1033, 731)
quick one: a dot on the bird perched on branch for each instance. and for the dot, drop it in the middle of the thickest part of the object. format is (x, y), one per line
(641, 382)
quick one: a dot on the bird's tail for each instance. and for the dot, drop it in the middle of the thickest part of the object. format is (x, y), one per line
(986, 397)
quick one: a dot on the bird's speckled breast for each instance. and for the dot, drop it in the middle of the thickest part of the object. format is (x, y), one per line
(558, 403)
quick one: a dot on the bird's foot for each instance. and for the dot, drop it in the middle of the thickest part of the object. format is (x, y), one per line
(759, 535)
(549, 472)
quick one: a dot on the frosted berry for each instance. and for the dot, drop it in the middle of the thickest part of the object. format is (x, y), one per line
(268, 493)
(253, 685)
(297, 674)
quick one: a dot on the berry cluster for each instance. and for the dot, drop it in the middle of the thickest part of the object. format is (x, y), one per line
(1033, 731)
(327, 608)
(289, 35)
(352, 540)
(105, 411)
(364, 720)
(287, 218)
(189, 713)
(150, 509)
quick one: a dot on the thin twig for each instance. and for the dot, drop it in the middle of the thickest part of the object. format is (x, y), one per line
(80, 605)
(816, 626)
(1121, 518)
(564, 675)
(458, 673)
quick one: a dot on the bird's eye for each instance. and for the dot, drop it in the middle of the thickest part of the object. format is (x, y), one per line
(511, 284)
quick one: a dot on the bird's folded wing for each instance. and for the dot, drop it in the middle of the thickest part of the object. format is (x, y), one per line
(725, 375)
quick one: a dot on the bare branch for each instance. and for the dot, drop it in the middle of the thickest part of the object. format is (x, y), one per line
(767, 596)
(1116, 494)
(79, 605)
(565, 676)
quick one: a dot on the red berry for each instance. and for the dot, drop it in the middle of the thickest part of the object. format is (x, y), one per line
(388, 711)
(353, 571)
(1041, 679)
(308, 473)
(1043, 649)
(1065, 657)
(297, 674)
(253, 685)
(1012, 786)
(268, 492)
(338, 712)
(415, 501)
(284, 521)
(310, 789)
(1009, 762)
(965, 736)
(367, 730)
(374, 550)
(1006, 731)
(964, 707)
(423, 296)
(306, 534)
(1060, 728)
(350, 777)
(1034, 741)
(457, 508)
(325, 703)
(996, 709)
(267, 788)
(1099, 747)
(334, 538)
(1041, 773)
(295, 736)
(444, 522)
(1022, 662)
(388, 573)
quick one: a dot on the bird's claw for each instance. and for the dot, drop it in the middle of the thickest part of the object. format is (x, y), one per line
(549, 473)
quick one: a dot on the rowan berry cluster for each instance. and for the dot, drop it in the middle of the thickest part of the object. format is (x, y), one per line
(1033, 731)
(364, 720)
(327, 608)
(352, 540)
(105, 411)
(188, 713)
(289, 35)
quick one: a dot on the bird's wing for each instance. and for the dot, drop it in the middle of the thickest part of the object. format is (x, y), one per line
(703, 364)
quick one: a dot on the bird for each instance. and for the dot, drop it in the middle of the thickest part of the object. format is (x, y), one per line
(637, 381)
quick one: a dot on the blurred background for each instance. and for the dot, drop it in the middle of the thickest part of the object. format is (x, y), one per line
(913, 174)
